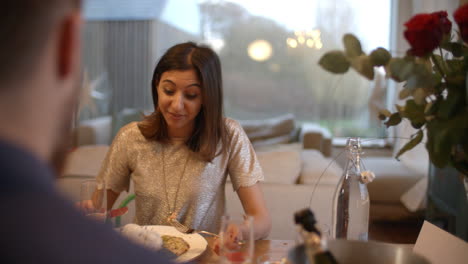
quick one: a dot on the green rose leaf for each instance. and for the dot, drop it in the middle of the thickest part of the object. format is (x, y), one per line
(444, 135)
(419, 96)
(380, 57)
(418, 124)
(439, 61)
(437, 78)
(400, 69)
(384, 114)
(415, 113)
(335, 62)
(415, 140)
(394, 120)
(455, 67)
(352, 46)
(412, 82)
(437, 145)
(400, 108)
(430, 117)
(455, 48)
(420, 77)
(404, 93)
(430, 108)
(363, 65)
(451, 104)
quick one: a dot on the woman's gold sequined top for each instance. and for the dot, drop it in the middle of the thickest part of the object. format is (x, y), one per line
(201, 198)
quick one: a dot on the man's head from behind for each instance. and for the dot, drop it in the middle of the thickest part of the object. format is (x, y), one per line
(39, 70)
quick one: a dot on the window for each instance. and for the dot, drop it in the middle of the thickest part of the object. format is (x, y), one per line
(269, 51)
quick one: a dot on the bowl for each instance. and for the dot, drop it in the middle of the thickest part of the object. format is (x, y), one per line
(369, 252)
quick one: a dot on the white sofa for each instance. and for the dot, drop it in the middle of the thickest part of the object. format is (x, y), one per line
(283, 196)
(291, 172)
(292, 161)
(393, 180)
(267, 132)
(282, 201)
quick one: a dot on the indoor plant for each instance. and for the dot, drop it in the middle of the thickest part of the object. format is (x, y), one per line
(434, 73)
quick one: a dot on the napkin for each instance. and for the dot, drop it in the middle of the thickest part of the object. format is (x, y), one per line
(440, 247)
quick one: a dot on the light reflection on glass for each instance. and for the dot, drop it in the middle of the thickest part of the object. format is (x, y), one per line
(310, 38)
(291, 42)
(260, 50)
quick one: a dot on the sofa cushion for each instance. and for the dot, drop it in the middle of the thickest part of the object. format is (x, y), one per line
(280, 165)
(315, 136)
(392, 179)
(280, 147)
(85, 161)
(273, 141)
(269, 128)
(315, 164)
(94, 131)
(282, 201)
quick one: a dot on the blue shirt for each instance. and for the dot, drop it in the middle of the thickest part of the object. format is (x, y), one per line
(38, 225)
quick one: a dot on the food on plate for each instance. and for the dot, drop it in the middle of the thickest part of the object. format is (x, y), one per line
(143, 236)
(176, 245)
(146, 236)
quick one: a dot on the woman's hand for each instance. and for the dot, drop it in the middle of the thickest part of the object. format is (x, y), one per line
(232, 239)
(87, 208)
(254, 204)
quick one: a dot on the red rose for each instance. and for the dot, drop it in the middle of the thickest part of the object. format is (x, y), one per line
(444, 24)
(424, 33)
(461, 17)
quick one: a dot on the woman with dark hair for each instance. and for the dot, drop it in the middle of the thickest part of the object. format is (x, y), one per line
(179, 156)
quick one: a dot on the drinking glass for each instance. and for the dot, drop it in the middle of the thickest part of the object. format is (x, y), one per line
(272, 258)
(93, 200)
(324, 230)
(236, 239)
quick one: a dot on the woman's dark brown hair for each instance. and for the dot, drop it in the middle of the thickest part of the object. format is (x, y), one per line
(210, 129)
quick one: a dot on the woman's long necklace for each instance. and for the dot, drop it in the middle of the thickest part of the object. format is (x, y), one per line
(172, 215)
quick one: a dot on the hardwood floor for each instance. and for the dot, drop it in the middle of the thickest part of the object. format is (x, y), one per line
(402, 232)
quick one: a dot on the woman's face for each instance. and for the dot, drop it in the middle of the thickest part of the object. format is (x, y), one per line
(180, 101)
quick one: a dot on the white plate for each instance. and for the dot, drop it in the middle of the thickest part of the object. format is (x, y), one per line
(196, 242)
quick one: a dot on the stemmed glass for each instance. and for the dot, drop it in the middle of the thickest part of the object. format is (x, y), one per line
(272, 258)
(93, 200)
(236, 239)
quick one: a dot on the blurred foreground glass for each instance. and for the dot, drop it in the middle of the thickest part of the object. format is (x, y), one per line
(324, 230)
(272, 258)
(236, 239)
(93, 200)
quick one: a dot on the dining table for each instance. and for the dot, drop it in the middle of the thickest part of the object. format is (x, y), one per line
(278, 248)
(262, 247)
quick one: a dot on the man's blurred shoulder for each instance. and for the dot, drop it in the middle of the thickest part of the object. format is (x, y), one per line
(38, 225)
